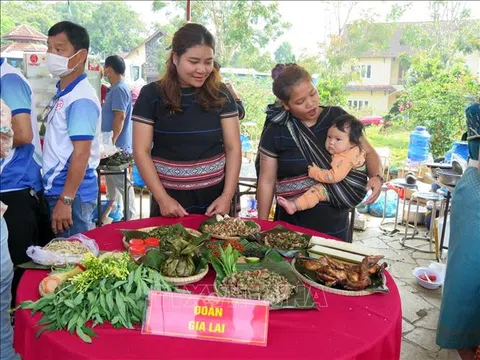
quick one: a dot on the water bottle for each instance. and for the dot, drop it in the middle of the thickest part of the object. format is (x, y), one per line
(251, 204)
(419, 145)
(460, 148)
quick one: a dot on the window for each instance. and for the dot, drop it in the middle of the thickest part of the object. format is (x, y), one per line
(135, 71)
(17, 63)
(364, 71)
(357, 104)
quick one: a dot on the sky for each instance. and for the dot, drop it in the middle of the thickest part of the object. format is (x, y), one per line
(311, 21)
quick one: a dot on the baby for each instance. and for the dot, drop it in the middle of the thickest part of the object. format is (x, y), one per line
(343, 142)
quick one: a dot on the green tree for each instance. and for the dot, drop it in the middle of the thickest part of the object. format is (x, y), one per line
(39, 15)
(436, 97)
(256, 93)
(331, 87)
(165, 43)
(311, 63)
(452, 31)
(284, 53)
(255, 59)
(238, 26)
(113, 27)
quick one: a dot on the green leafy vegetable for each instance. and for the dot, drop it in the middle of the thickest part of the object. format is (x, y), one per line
(226, 264)
(112, 289)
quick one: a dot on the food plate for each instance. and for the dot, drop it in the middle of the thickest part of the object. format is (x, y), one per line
(144, 233)
(214, 220)
(276, 233)
(302, 298)
(307, 276)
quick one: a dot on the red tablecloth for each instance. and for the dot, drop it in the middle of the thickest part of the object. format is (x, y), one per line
(367, 327)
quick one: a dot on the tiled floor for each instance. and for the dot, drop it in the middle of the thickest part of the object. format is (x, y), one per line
(420, 307)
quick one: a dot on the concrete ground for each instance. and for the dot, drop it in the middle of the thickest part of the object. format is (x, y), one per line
(420, 306)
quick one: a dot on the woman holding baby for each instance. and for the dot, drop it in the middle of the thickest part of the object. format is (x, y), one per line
(312, 158)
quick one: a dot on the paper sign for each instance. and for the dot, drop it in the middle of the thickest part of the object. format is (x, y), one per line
(207, 318)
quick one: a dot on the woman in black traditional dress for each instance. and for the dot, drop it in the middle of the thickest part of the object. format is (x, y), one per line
(186, 134)
(294, 139)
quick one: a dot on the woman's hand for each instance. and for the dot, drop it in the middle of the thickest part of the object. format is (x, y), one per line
(375, 184)
(220, 206)
(169, 207)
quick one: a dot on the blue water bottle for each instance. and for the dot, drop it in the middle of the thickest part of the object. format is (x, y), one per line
(419, 145)
(459, 148)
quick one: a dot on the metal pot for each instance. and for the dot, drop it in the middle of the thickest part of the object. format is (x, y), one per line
(448, 177)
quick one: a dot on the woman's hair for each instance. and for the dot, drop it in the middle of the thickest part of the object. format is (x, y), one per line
(285, 77)
(207, 95)
(345, 121)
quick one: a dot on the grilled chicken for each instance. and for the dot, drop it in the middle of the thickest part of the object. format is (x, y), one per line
(332, 272)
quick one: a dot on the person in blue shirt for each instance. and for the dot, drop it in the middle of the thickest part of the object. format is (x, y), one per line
(21, 183)
(71, 150)
(6, 266)
(459, 318)
(117, 118)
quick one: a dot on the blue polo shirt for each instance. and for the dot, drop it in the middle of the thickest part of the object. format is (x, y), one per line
(21, 168)
(75, 116)
(118, 99)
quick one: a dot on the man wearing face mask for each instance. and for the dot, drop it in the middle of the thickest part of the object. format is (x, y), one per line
(117, 117)
(71, 149)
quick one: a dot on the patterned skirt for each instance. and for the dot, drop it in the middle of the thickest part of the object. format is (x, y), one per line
(195, 185)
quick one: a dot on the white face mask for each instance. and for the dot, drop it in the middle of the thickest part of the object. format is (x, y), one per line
(58, 65)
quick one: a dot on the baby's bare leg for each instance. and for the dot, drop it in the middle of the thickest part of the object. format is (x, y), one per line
(288, 205)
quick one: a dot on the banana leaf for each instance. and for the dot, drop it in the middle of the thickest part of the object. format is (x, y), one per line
(165, 233)
(200, 263)
(135, 234)
(35, 266)
(154, 259)
(301, 299)
(260, 238)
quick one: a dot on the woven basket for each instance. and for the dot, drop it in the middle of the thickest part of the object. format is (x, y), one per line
(179, 281)
(333, 290)
(190, 231)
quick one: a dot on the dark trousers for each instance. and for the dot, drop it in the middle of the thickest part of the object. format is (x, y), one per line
(28, 223)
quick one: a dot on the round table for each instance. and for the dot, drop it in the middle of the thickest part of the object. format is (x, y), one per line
(366, 327)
